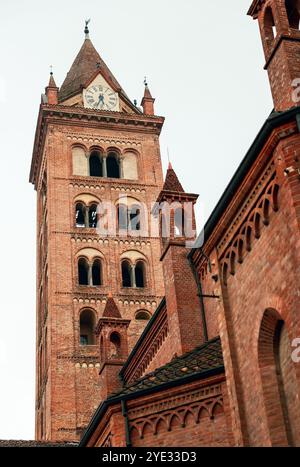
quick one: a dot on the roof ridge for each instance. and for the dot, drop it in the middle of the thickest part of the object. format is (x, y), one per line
(85, 65)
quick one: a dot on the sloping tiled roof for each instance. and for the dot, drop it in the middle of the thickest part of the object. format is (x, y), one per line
(84, 68)
(171, 182)
(206, 357)
(52, 83)
(203, 362)
(147, 93)
(111, 310)
(11, 443)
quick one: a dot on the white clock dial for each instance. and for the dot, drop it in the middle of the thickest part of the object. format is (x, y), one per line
(101, 98)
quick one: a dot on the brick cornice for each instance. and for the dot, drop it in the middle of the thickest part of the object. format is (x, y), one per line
(87, 118)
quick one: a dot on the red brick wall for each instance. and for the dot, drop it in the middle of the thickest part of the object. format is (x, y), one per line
(188, 415)
(73, 370)
(183, 306)
(258, 272)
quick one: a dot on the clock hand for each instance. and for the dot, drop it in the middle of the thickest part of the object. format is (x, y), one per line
(99, 100)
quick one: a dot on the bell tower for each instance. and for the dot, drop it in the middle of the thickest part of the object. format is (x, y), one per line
(279, 22)
(95, 153)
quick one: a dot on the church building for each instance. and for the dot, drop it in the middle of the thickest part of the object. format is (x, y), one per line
(147, 339)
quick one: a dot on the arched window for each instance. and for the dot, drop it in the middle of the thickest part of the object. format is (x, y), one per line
(269, 26)
(293, 13)
(115, 345)
(279, 380)
(122, 217)
(83, 272)
(93, 216)
(112, 165)
(80, 215)
(95, 163)
(96, 272)
(87, 326)
(142, 315)
(140, 274)
(178, 222)
(126, 274)
(129, 218)
(135, 218)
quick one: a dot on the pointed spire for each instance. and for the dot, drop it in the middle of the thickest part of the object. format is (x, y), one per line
(52, 90)
(85, 66)
(111, 310)
(52, 83)
(147, 101)
(147, 93)
(171, 182)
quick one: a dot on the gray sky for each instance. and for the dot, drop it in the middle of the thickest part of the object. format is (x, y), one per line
(204, 64)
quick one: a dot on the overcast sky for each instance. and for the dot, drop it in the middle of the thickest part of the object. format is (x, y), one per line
(204, 64)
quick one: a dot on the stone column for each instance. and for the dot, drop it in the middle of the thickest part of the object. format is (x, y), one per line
(121, 167)
(104, 166)
(86, 217)
(90, 275)
(132, 274)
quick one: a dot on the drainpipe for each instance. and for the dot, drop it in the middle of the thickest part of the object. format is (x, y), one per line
(127, 428)
(200, 295)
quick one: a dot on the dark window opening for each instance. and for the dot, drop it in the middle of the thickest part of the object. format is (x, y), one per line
(80, 215)
(113, 168)
(293, 13)
(115, 341)
(135, 218)
(84, 339)
(87, 326)
(83, 275)
(96, 272)
(93, 216)
(95, 165)
(126, 274)
(142, 315)
(140, 274)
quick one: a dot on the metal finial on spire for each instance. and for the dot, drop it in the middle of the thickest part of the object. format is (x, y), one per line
(145, 81)
(86, 29)
(51, 70)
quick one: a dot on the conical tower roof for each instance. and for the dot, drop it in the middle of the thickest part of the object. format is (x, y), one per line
(171, 182)
(83, 69)
(111, 310)
(52, 83)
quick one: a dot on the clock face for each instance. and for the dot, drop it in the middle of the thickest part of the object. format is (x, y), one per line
(101, 98)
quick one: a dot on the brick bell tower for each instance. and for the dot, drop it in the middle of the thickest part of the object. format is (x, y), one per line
(279, 27)
(92, 146)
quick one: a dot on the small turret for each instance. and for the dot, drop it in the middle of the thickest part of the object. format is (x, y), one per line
(112, 335)
(52, 91)
(147, 101)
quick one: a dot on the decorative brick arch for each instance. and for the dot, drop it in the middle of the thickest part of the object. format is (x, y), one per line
(279, 380)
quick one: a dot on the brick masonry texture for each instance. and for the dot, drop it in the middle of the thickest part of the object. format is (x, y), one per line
(213, 366)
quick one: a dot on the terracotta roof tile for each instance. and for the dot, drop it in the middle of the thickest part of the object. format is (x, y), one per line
(111, 310)
(84, 68)
(171, 182)
(52, 83)
(206, 357)
(147, 93)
